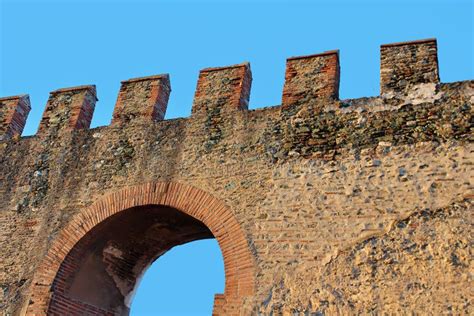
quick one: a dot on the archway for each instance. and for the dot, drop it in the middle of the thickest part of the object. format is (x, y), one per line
(185, 279)
(100, 245)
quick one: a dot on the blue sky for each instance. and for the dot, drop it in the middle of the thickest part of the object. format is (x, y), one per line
(46, 45)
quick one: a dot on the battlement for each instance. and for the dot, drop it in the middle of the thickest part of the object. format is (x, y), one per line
(308, 79)
(405, 64)
(13, 114)
(311, 77)
(310, 122)
(68, 109)
(145, 98)
(317, 193)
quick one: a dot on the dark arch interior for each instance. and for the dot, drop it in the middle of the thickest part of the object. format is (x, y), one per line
(100, 273)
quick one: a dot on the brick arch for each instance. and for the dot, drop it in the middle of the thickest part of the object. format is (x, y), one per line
(238, 261)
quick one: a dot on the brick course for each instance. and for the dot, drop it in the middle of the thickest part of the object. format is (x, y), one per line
(320, 205)
(143, 98)
(68, 108)
(13, 114)
(311, 77)
(407, 63)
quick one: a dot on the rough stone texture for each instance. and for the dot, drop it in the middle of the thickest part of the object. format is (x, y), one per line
(320, 207)
(142, 98)
(13, 114)
(405, 64)
(420, 263)
(310, 77)
(223, 88)
(69, 108)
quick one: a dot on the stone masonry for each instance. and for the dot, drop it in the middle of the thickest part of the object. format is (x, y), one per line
(320, 206)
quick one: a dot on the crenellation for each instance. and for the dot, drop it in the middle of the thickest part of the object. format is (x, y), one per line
(223, 88)
(311, 77)
(13, 114)
(409, 72)
(406, 64)
(68, 109)
(302, 197)
(144, 98)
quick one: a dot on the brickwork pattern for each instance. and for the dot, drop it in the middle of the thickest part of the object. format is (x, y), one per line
(223, 88)
(320, 205)
(69, 108)
(311, 77)
(145, 98)
(403, 65)
(239, 265)
(13, 114)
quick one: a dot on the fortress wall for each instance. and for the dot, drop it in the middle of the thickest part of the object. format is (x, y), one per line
(348, 206)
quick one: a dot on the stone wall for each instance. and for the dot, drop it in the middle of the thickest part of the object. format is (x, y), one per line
(13, 114)
(329, 206)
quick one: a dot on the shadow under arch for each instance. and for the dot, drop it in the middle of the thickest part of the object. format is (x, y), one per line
(195, 204)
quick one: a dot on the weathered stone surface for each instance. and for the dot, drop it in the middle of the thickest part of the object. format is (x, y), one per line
(406, 64)
(326, 206)
(144, 98)
(13, 113)
(420, 263)
(223, 89)
(68, 109)
(310, 77)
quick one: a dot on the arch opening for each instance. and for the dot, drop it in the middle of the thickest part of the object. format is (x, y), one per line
(101, 273)
(102, 240)
(183, 281)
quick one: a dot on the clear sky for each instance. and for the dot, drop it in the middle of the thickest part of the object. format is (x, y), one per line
(46, 45)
